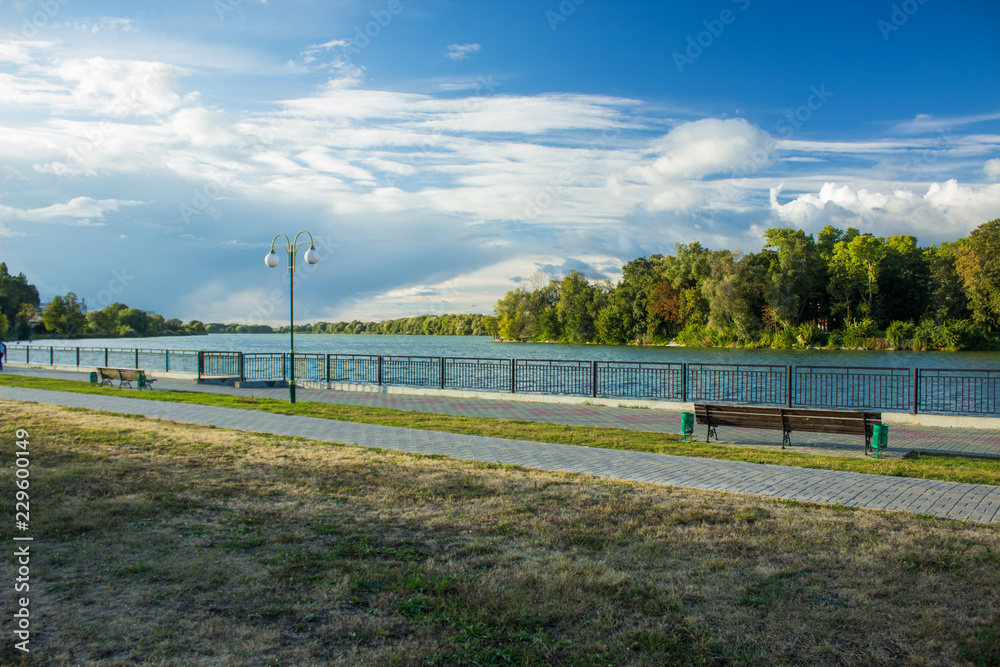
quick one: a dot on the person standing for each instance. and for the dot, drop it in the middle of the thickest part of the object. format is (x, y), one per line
(3, 354)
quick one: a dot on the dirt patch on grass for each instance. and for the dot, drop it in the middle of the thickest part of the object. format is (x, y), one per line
(165, 543)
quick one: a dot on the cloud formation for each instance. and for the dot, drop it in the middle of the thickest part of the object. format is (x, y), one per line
(461, 51)
(436, 198)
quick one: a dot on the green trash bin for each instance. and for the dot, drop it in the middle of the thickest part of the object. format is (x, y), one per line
(93, 378)
(880, 438)
(687, 425)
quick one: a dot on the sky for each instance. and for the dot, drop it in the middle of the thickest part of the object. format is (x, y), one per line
(441, 153)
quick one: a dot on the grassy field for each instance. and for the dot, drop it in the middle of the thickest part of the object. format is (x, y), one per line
(162, 543)
(974, 470)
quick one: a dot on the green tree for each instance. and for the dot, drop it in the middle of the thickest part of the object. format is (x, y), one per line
(797, 274)
(904, 280)
(854, 270)
(577, 309)
(105, 321)
(134, 319)
(19, 302)
(977, 262)
(946, 298)
(736, 293)
(65, 315)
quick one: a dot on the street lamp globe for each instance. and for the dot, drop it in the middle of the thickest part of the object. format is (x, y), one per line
(271, 259)
(311, 256)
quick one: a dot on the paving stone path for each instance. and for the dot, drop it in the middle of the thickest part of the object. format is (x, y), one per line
(970, 502)
(902, 440)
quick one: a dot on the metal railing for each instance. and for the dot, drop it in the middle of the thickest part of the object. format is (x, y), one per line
(944, 391)
(180, 361)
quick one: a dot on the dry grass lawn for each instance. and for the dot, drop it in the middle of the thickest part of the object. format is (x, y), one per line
(163, 543)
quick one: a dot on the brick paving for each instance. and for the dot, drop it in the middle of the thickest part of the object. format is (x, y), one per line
(969, 502)
(902, 439)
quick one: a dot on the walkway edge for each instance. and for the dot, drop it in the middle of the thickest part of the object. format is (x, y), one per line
(890, 418)
(953, 500)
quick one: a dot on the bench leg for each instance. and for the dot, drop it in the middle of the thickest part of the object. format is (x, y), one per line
(711, 432)
(786, 438)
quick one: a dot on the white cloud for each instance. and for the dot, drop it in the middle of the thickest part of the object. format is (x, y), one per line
(77, 211)
(992, 168)
(946, 211)
(22, 51)
(461, 51)
(105, 24)
(120, 87)
(702, 148)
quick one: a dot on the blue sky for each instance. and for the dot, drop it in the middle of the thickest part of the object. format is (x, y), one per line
(442, 153)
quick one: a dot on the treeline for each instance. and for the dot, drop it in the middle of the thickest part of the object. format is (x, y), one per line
(840, 289)
(420, 325)
(22, 316)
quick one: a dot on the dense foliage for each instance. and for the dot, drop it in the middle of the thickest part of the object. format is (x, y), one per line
(421, 325)
(19, 304)
(842, 288)
(22, 316)
(839, 289)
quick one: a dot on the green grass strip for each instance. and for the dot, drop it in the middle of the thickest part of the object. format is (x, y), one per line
(946, 467)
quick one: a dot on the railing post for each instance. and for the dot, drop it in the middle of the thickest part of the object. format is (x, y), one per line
(916, 388)
(684, 382)
(593, 378)
(137, 357)
(513, 376)
(327, 367)
(106, 359)
(201, 361)
(442, 371)
(788, 372)
(27, 355)
(166, 361)
(243, 377)
(380, 369)
(77, 357)
(52, 355)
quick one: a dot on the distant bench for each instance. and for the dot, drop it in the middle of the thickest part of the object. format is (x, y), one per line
(787, 420)
(125, 376)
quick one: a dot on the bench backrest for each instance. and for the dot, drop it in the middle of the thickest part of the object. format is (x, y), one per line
(125, 374)
(788, 419)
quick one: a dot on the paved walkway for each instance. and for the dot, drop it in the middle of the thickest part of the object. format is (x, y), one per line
(971, 502)
(902, 440)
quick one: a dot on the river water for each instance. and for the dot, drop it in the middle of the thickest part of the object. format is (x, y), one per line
(484, 347)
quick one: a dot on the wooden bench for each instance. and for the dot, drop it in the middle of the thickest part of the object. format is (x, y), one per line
(126, 376)
(786, 420)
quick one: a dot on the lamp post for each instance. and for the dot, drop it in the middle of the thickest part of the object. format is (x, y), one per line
(311, 257)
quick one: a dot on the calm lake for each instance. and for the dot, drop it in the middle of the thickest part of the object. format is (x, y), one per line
(484, 347)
